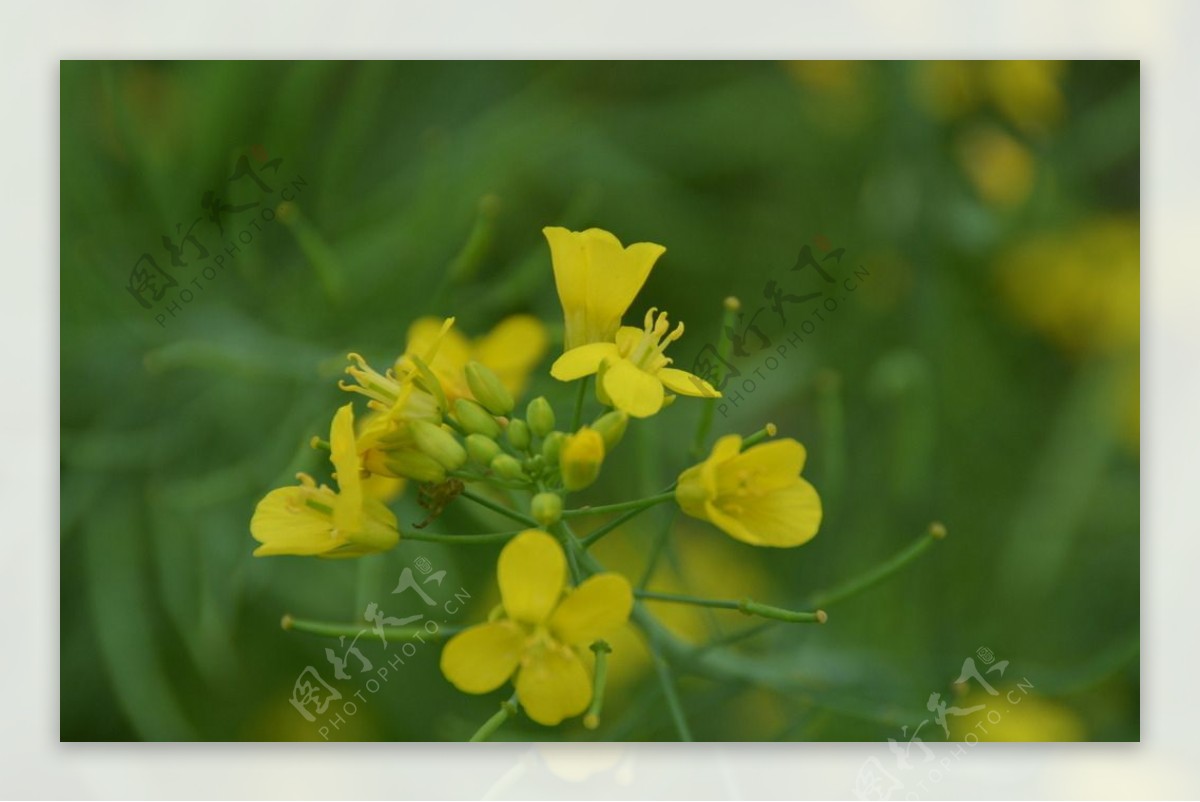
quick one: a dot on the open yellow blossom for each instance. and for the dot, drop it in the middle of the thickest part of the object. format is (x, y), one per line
(311, 520)
(633, 370)
(756, 495)
(543, 635)
(597, 280)
(511, 350)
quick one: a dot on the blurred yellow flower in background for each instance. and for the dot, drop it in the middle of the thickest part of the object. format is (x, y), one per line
(634, 370)
(1027, 94)
(999, 167)
(755, 496)
(310, 520)
(512, 349)
(1017, 715)
(543, 635)
(1079, 287)
(597, 280)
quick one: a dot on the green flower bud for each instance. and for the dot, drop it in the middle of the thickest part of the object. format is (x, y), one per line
(518, 434)
(580, 458)
(507, 466)
(540, 415)
(482, 448)
(488, 390)
(438, 443)
(414, 465)
(551, 445)
(475, 419)
(611, 426)
(546, 508)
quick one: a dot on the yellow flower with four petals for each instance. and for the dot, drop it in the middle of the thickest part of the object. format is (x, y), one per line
(756, 495)
(544, 634)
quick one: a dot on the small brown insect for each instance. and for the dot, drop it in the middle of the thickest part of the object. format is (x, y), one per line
(434, 497)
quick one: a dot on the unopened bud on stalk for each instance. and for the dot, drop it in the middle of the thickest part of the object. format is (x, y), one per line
(518, 434)
(551, 445)
(414, 465)
(506, 466)
(611, 426)
(475, 419)
(438, 443)
(488, 390)
(580, 458)
(546, 508)
(482, 448)
(540, 415)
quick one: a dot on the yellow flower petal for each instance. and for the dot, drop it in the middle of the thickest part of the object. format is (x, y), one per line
(582, 361)
(480, 659)
(684, 383)
(347, 511)
(783, 518)
(453, 350)
(553, 684)
(597, 280)
(765, 466)
(512, 349)
(631, 390)
(532, 572)
(594, 610)
(284, 524)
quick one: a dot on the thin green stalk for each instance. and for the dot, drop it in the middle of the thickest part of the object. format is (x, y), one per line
(762, 434)
(461, 540)
(615, 523)
(638, 504)
(746, 606)
(656, 549)
(592, 719)
(709, 406)
(882, 571)
(577, 417)
(507, 709)
(386, 635)
(483, 501)
(567, 538)
(669, 692)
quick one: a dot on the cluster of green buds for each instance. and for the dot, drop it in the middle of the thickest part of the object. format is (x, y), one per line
(529, 452)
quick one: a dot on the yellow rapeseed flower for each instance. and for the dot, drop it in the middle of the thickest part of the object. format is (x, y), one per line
(580, 458)
(597, 280)
(633, 370)
(543, 635)
(756, 495)
(511, 350)
(311, 520)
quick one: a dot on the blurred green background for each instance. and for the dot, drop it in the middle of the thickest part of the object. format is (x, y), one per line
(983, 373)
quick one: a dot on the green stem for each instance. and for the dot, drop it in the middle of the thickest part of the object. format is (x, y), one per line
(656, 549)
(592, 719)
(577, 417)
(638, 504)
(500, 508)
(669, 692)
(507, 709)
(724, 344)
(615, 523)
(762, 434)
(389, 634)
(567, 538)
(461, 540)
(747, 606)
(882, 571)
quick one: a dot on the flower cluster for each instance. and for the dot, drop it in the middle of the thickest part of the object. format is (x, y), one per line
(445, 415)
